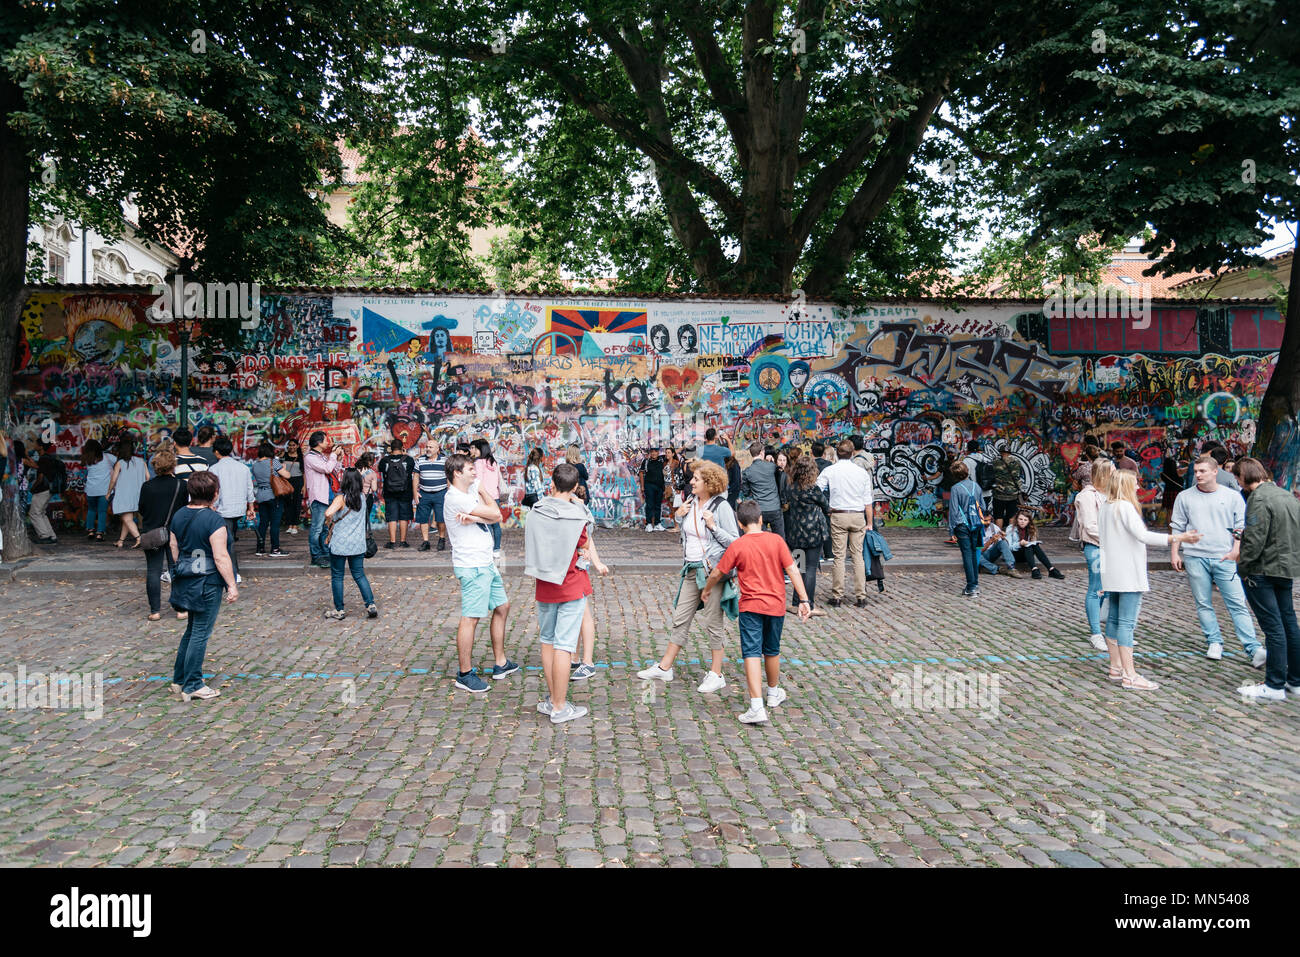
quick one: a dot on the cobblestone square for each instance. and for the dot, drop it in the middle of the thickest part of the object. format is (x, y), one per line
(344, 743)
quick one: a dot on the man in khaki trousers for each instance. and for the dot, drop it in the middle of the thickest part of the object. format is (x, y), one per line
(848, 487)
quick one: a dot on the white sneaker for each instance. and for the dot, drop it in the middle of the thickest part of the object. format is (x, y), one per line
(544, 707)
(1261, 691)
(1097, 641)
(293, 529)
(712, 682)
(655, 672)
(569, 712)
(202, 694)
(165, 578)
(775, 696)
(660, 527)
(1260, 656)
(649, 528)
(1215, 652)
(1293, 690)
(755, 715)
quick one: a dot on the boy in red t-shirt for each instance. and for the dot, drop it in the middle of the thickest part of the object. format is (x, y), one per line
(554, 523)
(761, 560)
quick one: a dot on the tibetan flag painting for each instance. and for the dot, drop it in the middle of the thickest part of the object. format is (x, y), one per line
(624, 326)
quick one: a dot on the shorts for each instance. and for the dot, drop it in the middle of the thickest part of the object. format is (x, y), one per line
(760, 635)
(481, 590)
(561, 623)
(1005, 511)
(398, 510)
(429, 501)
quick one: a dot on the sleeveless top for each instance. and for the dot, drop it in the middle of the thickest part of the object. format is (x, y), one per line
(349, 534)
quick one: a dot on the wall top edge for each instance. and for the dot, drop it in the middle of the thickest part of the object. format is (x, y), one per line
(647, 297)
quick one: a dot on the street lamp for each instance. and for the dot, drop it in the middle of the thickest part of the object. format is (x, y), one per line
(185, 328)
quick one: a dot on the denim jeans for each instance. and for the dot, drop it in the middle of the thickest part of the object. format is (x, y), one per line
(188, 672)
(1092, 600)
(96, 513)
(998, 550)
(268, 517)
(318, 552)
(774, 521)
(357, 564)
(1123, 616)
(1203, 574)
(1271, 599)
(232, 526)
(968, 540)
(496, 534)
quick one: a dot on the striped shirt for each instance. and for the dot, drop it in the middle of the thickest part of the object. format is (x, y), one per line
(433, 475)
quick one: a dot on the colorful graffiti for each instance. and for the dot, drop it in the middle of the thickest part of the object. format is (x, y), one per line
(615, 377)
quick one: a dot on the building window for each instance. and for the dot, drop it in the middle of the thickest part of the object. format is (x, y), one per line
(56, 267)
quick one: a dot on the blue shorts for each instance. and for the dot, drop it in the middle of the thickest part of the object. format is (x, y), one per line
(561, 623)
(429, 501)
(760, 635)
(481, 590)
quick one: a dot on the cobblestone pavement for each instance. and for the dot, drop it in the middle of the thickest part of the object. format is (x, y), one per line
(343, 743)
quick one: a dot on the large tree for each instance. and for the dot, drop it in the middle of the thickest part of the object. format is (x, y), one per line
(745, 147)
(1180, 121)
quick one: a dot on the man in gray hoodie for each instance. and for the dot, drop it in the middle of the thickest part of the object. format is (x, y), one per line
(556, 535)
(758, 482)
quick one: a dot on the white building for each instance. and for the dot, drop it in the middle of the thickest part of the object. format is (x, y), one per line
(73, 254)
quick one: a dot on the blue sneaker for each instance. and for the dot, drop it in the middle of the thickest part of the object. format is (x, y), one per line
(500, 671)
(582, 672)
(471, 682)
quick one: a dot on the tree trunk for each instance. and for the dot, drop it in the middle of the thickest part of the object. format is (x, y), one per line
(1277, 435)
(15, 168)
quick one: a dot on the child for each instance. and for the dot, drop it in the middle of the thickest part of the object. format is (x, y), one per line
(760, 559)
(557, 534)
(1022, 536)
(995, 544)
(468, 512)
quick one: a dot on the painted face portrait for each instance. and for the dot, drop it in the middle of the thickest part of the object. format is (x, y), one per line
(686, 338)
(441, 341)
(798, 374)
(659, 338)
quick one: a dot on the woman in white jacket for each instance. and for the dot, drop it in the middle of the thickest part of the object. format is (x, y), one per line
(1124, 540)
(1093, 477)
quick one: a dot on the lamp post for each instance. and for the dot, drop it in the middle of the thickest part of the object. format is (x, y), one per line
(185, 327)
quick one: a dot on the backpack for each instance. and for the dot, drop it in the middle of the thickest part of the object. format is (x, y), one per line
(395, 477)
(984, 476)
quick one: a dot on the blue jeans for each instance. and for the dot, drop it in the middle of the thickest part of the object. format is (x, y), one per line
(188, 672)
(268, 516)
(318, 551)
(357, 564)
(496, 532)
(96, 513)
(1092, 600)
(1271, 599)
(1203, 574)
(998, 550)
(968, 540)
(1123, 618)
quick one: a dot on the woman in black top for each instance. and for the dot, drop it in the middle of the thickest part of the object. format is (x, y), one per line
(160, 497)
(291, 511)
(807, 522)
(733, 486)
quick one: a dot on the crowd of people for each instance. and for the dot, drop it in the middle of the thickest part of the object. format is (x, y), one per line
(754, 525)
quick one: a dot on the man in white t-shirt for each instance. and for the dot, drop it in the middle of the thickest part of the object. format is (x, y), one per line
(469, 513)
(848, 487)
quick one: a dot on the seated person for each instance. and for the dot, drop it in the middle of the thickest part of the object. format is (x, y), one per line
(1022, 536)
(995, 544)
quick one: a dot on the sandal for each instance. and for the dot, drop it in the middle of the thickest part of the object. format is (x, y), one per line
(1136, 682)
(1114, 675)
(155, 616)
(99, 536)
(137, 542)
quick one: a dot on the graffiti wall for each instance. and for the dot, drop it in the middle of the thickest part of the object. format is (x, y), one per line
(615, 377)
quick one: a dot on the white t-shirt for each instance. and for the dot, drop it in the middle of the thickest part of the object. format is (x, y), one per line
(471, 545)
(694, 543)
